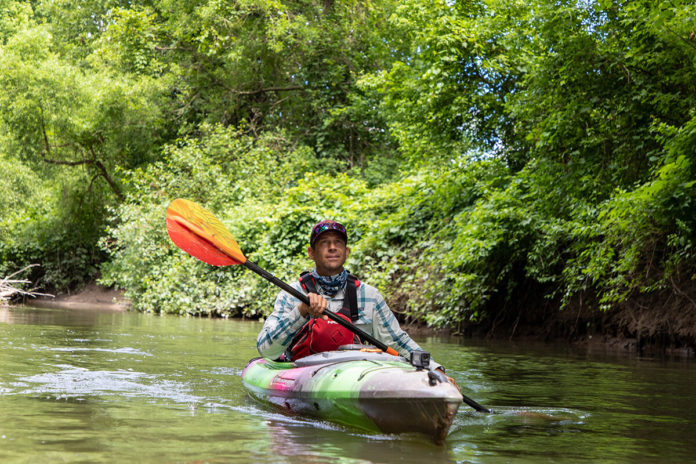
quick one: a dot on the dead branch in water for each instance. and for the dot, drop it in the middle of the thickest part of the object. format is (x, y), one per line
(10, 287)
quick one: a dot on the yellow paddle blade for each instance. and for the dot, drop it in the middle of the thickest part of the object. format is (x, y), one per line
(198, 232)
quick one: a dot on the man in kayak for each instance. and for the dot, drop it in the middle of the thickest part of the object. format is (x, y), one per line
(329, 287)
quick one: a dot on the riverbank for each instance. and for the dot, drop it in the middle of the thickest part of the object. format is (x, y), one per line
(664, 324)
(91, 297)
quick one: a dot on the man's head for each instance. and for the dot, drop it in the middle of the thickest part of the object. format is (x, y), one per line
(327, 247)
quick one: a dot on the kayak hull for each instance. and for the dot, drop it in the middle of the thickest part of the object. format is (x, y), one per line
(371, 391)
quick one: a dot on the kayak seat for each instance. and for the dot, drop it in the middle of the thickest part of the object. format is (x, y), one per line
(330, 357)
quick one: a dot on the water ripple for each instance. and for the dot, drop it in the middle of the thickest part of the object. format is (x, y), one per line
(76, 382)
(124, 350)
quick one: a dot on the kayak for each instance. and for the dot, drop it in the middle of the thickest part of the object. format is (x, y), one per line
(368, 390)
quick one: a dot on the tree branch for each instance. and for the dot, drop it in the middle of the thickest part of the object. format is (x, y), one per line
(93, 161)
(47, 148)
(105, 175)
(8, 289)
(66, 163)
(268, 89)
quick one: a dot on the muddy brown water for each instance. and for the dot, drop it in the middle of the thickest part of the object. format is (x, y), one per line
(91, 386)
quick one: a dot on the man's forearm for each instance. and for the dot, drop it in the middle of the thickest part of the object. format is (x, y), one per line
(280, 328)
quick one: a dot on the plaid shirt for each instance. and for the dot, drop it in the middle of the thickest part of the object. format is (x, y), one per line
(374, 317)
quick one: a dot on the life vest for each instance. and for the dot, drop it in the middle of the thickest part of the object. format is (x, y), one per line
(319, 335)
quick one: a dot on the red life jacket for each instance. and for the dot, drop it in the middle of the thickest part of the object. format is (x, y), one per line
(319, 335)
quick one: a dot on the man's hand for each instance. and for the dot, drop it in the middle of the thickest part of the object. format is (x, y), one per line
(317, 305)
(451, 380)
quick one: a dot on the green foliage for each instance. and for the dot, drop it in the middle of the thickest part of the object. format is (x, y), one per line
(485, 155)
(236, 177)
(444, 97)
(75, 128)
(54, 111)
(14, 17)
(38, 227)
(641, 240)
(129, 42)
(266, 65)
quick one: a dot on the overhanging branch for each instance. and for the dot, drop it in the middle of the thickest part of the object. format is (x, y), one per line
(92, 161)
(268, 89)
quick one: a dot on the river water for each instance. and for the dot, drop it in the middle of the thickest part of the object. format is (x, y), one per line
(90, 386)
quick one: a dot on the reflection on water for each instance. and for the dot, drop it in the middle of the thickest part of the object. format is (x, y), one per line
(91, 386)
(295, 443)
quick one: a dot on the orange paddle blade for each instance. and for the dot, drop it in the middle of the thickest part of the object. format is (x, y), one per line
(199, 233)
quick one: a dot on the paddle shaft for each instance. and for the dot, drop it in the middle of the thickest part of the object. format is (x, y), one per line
(475, 405)
(303, 298)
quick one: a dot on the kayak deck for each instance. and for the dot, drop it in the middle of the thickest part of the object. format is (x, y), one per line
(370, 391)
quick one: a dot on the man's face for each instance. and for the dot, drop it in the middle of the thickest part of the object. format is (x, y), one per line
(329, 253)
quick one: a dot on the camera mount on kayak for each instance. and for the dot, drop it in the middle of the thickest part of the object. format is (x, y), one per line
(420, 359)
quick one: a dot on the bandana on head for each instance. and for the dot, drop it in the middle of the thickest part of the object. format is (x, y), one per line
(330, 285)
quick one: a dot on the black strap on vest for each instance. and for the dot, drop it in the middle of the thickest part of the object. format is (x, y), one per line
(350, 301)
(309, 285)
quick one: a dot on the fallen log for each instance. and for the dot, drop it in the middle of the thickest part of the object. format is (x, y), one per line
(10, 287)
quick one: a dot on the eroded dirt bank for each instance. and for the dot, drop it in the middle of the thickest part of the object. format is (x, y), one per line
(661, 323)
(91, 297)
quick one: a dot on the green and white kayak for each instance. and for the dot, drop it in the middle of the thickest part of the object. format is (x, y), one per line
(372, 391)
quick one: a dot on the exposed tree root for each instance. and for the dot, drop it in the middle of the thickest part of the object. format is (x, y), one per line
(11, 288)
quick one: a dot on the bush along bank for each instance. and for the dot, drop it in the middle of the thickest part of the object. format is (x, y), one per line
(479, 249)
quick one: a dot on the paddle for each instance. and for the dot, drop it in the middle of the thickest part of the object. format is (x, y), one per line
(199, 233)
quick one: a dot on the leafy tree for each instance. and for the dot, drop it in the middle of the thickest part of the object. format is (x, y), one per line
(56, 117)
(444, 96)
(288, 65)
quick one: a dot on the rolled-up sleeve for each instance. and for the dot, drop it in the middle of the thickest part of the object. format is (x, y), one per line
(386, 328)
